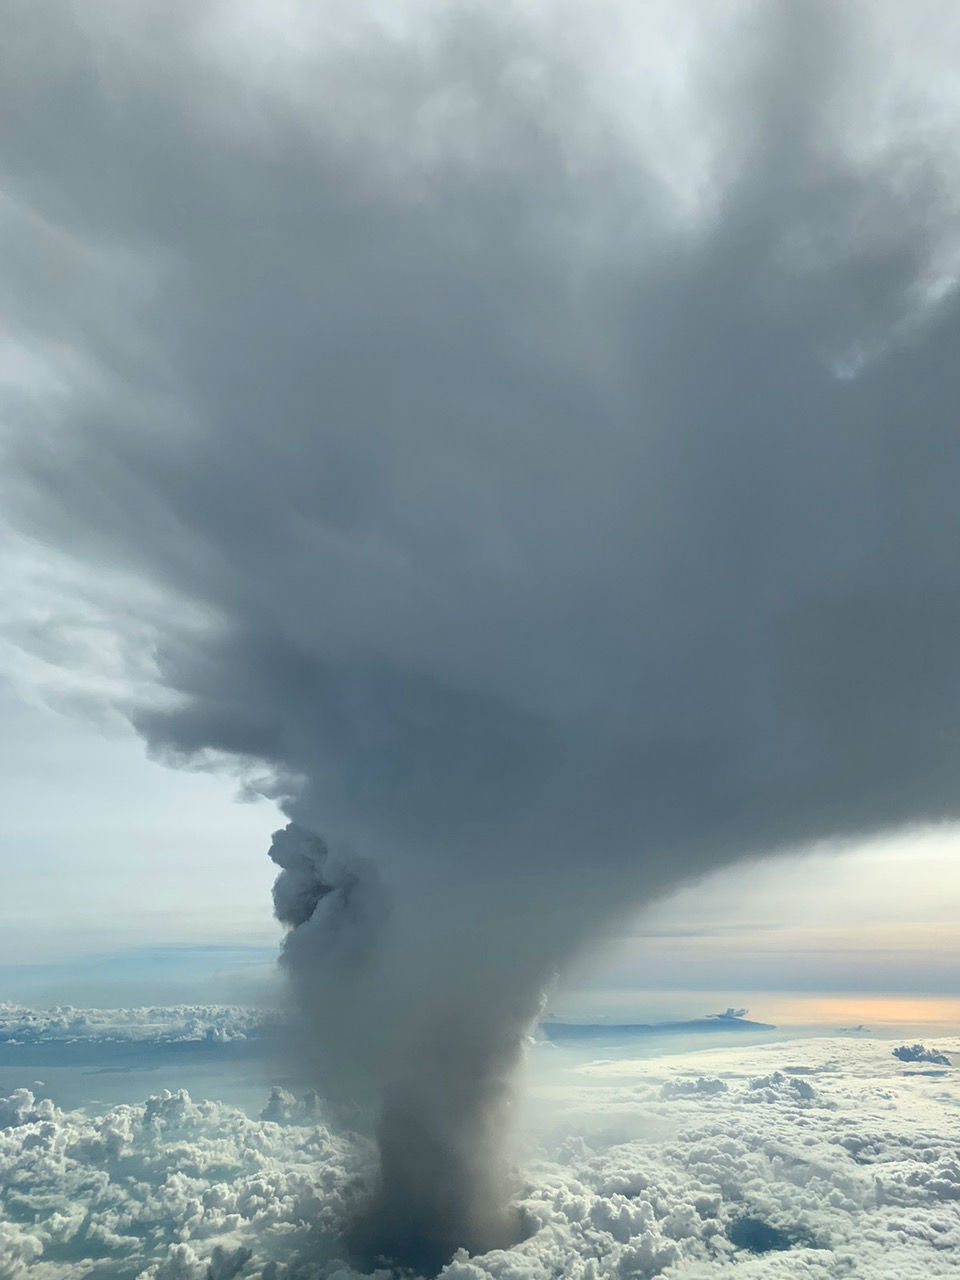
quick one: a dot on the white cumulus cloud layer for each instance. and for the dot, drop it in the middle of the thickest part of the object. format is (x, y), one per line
(817, 1159)
(22, 1025)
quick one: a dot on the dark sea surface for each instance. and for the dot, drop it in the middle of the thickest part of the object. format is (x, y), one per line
(93, 1072)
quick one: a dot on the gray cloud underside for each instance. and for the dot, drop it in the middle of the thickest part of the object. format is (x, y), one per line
(510, 502)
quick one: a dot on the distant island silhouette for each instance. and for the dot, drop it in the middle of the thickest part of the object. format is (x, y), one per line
(729, 1020)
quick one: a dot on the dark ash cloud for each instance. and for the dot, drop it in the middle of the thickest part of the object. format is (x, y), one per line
(538, 473)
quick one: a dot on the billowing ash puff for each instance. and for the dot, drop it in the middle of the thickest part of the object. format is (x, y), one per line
(300, 886)
(528, 436)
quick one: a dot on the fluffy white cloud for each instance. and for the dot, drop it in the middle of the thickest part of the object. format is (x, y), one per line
(171, 1188)
(20, 1025)
(816, 1159)
(808, 1160)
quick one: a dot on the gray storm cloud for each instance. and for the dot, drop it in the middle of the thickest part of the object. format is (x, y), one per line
(525, 438)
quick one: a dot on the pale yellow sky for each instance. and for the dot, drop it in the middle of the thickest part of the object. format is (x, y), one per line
(880, 915)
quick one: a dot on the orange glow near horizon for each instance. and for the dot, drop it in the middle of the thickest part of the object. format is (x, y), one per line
(853, 1008)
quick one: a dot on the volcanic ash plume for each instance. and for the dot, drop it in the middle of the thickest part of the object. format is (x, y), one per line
(523, 442)
(433, 1056)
